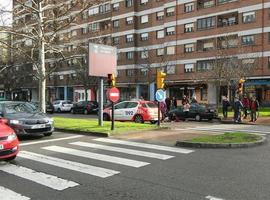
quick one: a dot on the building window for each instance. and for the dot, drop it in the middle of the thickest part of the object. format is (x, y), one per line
(93, 11)
(116, 40)
(130, 72)
(129, 20)
(170, 30)
(206, 3)
(225, 1)
(160, 52)
(144, 36)
(94, 27)
(188, 68)
(170, 69)
(116, 6)
(206, 23)
(203, 94)
(116, 23)
(84, 30)
(130, 55)
(144, 72)
(144, 54)
(160, 34)
(160, 15)
(189, 27)
(248, 40)
(189, 7)
(189, 48)
(129, 38)
(204, 65)
(170, 50)
(170, 11)
(249, 17)
(144, 19)
(144, 2)
(129, 3)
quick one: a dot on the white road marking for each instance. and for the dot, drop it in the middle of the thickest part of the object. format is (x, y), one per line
(213, 198)
(6, 194)
(51, 140)
(123, 150)
(145, 145)
(38, 177)
(96, 156)
(75, 166)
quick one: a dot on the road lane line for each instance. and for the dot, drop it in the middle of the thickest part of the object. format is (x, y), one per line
(38, 177)
(7, 194)
(213, 198)
(51, 140)
(96, 156)
(123, 150)
(66, 164)
(145, 145)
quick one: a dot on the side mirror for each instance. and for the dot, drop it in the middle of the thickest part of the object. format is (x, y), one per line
(3, 121)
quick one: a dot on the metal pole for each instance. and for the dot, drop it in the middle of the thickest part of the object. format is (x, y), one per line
(100, 100)
(112, 125)
(158, 114)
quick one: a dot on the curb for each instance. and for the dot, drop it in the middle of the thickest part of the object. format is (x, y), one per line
(224, 146)
(82, 132)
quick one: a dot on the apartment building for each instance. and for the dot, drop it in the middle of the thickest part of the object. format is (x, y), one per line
(180, 37)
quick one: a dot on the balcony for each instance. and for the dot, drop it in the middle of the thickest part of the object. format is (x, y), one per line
(205, 4)
(230, 19)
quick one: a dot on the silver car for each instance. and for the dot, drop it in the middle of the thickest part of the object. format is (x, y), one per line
(62, 106)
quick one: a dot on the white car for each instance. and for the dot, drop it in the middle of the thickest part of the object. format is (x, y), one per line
(62, 106)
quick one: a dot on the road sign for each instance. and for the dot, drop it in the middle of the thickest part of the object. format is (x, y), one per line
(160, 95)
(113, 94)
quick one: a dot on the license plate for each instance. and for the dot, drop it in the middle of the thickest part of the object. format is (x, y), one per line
(1, 146)
(38, 126)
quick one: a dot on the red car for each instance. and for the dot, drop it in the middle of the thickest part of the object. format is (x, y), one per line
(138, 111)
(9, 143)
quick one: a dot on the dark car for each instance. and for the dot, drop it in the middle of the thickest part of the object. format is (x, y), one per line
(25, 119)
(196, 111)
(85, 107)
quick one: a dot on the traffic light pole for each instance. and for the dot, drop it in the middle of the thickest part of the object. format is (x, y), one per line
(158, 123)
(112, 124)
(100, 103)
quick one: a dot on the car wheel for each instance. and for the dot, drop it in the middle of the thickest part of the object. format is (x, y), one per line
(10, 158)
(72, 111)
(48, 134)
(198, 117)
(106, 117)
(153, 122)
(85, 112)
(138, 119)
(59, 110)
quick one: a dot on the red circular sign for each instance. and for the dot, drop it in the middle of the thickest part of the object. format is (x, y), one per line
(113, 94)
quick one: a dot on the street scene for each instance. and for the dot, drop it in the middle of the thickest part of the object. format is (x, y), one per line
(134, 100)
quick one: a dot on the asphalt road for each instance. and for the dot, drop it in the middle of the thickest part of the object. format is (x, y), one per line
(217, 174)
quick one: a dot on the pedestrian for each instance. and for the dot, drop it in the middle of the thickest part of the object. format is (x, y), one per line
(254, 105)
(246, 105)
(168, 102)
(186, 107)
(194, 100)
(174, 102)
(185, 100)
(163, 110)
(238, 106)
(225, 105)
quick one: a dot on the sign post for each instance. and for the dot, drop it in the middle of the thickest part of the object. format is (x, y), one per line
(113, 94)
(100, 105)
(160, 97)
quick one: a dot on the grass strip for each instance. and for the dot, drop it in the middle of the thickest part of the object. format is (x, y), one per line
(91, 125)
(227, 138)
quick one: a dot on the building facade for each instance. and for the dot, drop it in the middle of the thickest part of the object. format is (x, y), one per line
(180, 37)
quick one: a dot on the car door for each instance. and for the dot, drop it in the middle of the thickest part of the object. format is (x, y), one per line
(193, 111)
(119, 110)
(130, 110)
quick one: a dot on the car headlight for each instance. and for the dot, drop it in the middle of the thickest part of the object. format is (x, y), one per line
(15, 122)
(11, 137)
(51, 121)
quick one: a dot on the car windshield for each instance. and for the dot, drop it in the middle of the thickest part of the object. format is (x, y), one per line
(151, 105)
(13, 108)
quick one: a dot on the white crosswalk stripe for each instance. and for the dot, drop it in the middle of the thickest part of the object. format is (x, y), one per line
(144, 145)
(96, 156)
(75, 166)
(124, 150)
(38, 177)
(7, 194)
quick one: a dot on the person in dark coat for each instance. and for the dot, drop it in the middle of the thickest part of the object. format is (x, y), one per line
(238, 106)
(225, 105)
(246, 105)
(185, 100)
(174, 102)
(168, 103)
(254, 105)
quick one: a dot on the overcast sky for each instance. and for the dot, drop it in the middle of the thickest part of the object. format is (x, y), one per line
(6, 5)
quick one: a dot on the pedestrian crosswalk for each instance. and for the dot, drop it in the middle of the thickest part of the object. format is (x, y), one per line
(85, 151)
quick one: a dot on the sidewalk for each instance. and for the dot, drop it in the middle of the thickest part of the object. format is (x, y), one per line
(260, 121)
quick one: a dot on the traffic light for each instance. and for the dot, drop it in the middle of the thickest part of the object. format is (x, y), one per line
(111, 80)
(240, 86)
(160, 79)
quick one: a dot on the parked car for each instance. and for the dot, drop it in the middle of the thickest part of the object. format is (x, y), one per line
(138, 111)
(49, 106)
(85, 107)
(196, 111)
(62, 106)
(9, 143)
(25, 119)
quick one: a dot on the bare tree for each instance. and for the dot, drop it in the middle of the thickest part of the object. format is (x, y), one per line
(39, 27)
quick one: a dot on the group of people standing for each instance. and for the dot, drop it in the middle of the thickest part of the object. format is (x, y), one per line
(244, 104)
